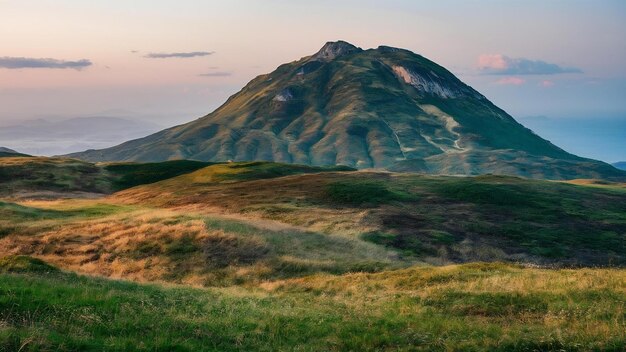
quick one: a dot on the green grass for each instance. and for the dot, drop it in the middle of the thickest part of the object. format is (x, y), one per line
(363, 192)
(22, 263)
(546, 217)
(554, 221)
(456, 308)
(127, 175)
(13, 212)
(248, 171)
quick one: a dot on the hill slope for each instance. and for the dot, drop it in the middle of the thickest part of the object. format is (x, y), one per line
(620, 165)
(275, 220)
(6, 152)
(43, 177)
(435, 219)
(378, 108)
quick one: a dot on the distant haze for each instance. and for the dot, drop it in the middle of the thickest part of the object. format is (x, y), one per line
(54, 137)
(600, 138)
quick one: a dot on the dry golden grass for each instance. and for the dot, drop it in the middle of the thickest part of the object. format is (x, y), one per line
(175, 245)
(474, 278)
(107, 246)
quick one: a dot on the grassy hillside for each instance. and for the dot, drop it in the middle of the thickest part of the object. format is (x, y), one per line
(158, 245)
(244, 223)
(436, 219)
(42, 177)
(471, 307)
(290, 257)
(127, 175)
(25, 176)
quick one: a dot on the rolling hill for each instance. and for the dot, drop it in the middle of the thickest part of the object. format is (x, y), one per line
(296, 257)
(43, 177)
(383, 108)
(620, 165)
(243, 223)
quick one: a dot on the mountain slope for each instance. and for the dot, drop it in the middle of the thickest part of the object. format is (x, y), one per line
(378, 108)
(620, 165)
(43, 177)
(6, 152)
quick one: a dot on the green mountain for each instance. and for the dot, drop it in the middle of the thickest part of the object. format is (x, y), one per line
(620, 165)
(382, 108)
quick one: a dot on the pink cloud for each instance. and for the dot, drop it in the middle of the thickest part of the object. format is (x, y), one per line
(513, 81)
(492, 61)
(546, 84)
(498, 64)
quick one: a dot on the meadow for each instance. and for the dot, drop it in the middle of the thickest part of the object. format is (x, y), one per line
(265, 256)
(471, 307)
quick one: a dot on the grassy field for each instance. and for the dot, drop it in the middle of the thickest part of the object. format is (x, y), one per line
(41, 177)
(437, 219)
(471, 307)
(265, 256)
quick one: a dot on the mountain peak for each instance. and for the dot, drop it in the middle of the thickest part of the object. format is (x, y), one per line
(384, 108)
(332, 50)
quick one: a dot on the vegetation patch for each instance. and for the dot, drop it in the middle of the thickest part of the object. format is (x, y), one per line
(498, 304)
(224, 250)
(127, 175)
(24, 264)
(248, 171)
(479, 307)
(363, 192)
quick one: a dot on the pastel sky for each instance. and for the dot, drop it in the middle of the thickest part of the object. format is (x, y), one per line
(173, 61)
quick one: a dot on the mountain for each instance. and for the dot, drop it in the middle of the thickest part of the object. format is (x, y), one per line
(6, 152)
(51, 136)
(620, 165)
(384, 108)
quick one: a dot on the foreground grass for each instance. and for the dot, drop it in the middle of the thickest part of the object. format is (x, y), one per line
(469, 307)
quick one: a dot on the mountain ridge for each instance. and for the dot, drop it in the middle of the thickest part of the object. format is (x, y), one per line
(383, 108)
(7, 152)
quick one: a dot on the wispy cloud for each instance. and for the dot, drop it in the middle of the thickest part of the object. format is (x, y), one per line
(28, 62)
(546, 83)
(216, 74)
(511, 81)
(178, 55)
(498, 64)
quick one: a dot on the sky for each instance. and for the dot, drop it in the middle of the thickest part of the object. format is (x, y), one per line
(554, 65)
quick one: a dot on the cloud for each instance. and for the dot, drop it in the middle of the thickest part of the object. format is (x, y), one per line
(546, 83)
(215, 74)
(511, 81)
(178, 55)
(28, 62)
(498, 64)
